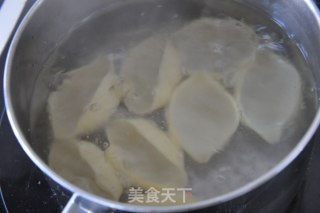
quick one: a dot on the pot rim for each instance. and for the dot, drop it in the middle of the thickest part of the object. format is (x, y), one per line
(129, 207)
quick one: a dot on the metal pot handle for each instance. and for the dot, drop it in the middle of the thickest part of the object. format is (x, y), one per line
(10, 12)
(73, 206)
(78, 204)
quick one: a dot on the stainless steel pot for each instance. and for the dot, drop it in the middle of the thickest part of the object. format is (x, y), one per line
(49, 21)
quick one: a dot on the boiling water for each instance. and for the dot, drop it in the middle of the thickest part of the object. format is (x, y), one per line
(115, 30)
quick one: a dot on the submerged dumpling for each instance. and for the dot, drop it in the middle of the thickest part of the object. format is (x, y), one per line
(102, 105)
(269, 95)
(150, 72)
(217, 45)
(66, 104)
(64, 158)
(202, 116)
(144, 153)
(104, 174)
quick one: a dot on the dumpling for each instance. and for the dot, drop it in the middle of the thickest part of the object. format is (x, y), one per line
(64, 158)
(202, 116)
(150, 72)
(104, 174)
(269, 95)
(65, 105)
(102, 105)
(144, 153)
(224, 46)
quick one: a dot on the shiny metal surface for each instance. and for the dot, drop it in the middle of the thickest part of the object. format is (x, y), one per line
(50, 20)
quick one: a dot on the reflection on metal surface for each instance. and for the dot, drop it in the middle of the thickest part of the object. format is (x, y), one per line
(3, 201)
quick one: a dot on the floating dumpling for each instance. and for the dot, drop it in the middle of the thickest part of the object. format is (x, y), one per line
(144, 154)
(66, 104)
(224, 46)
(150, 72)
(269, 95)
(64, 158)
(102, 105)
(104, 174)
(202, 116)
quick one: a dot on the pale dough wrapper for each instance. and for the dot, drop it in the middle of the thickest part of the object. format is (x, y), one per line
(64, 158)
(104, 174)
(202, 116)
(144, 153)
(224, 46)
(269, 95)
(150, 72)
(66, 104)
(102, 105)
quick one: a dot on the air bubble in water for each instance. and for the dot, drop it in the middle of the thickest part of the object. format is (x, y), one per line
(94, 107)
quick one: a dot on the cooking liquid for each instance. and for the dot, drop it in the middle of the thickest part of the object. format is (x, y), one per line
(114, 31)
